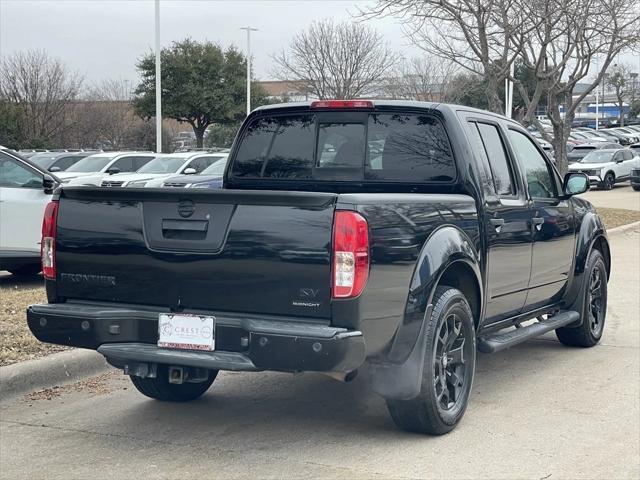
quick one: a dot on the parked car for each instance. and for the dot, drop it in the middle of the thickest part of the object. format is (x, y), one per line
(295, 264)
(210, 177)
(25, 190)
(56, 161)
(605, 168)
(161, 168)
(92, 169)
(632, 134)
(635, 147)
(625, 138)
(578, 152)
(589, 136)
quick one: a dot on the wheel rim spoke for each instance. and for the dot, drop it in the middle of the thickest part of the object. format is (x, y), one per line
(456, 355)
(449, 361)
(595, 300)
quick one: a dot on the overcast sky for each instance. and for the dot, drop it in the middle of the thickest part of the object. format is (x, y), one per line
(103, 39)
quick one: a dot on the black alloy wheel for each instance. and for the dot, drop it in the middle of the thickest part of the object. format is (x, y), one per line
(448, 368)
(594, 305)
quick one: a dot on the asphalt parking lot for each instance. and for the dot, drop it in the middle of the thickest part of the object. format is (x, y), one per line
(621, 196)
(537, 411)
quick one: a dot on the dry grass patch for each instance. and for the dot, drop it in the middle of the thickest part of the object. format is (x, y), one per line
(17, 343)
(615, 217)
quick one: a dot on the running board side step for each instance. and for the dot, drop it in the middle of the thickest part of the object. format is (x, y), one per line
(500, 341)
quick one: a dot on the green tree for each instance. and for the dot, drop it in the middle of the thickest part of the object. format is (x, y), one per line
(202, 84)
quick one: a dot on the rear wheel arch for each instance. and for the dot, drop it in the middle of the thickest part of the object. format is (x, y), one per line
(460, 275)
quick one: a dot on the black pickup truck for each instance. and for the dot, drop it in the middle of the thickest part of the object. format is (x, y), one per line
(403, 236)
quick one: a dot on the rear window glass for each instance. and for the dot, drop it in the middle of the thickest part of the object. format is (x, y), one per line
(277, 147)
(408, 148)
(382, 147)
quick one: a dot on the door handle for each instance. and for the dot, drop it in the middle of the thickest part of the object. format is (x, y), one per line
(538, 221)
(497, 223)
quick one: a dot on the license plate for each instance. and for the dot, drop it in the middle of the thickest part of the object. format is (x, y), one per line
(188, 332)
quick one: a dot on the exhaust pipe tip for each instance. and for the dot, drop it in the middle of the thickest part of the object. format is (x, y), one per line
(342, 376)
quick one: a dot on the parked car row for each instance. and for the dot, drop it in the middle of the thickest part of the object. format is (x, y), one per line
(199, 169)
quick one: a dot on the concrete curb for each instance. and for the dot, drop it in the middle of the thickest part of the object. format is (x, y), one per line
(46, 372)
(624, 228)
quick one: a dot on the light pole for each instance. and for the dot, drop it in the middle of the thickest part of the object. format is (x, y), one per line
(249, 30)
(158, 83)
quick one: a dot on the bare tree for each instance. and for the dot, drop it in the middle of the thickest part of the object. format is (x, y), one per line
(619, 79)
(42, 88)
(421, 78)
(573, 38)
(336, 60)
(108, 113)
(478, 35)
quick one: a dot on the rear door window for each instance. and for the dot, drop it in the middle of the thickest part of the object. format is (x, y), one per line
(494, 148)
(139, 162)
(65, 162)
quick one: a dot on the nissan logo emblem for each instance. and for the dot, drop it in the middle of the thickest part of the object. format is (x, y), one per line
(186, 208)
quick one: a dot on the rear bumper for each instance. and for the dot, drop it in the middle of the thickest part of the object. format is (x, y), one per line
(243, 342)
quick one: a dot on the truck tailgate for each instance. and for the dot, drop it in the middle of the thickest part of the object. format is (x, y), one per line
(236, 250)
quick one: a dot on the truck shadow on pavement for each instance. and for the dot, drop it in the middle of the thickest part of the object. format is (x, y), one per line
(272, 409)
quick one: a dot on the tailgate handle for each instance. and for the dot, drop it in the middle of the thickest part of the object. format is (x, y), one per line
(185, 225)
(184, 229)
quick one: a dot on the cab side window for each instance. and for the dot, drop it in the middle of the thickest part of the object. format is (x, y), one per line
(537, 171)
(200, 163)
(124, 164)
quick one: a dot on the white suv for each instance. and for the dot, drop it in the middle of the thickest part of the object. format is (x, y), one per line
(25, 190)
(605, 168)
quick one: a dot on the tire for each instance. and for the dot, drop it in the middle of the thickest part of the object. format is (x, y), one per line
(594, 309)
(608, 182)
(427, 412)
(159, 388)
(27, 270)
(636, 187)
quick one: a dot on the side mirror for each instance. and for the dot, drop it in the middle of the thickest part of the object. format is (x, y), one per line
(48, 184)
(113, 170)
(575, 183)
(54, 169)
(190, 171)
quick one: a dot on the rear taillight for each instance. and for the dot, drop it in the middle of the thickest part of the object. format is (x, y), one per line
(350, 254)
(48, 242)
